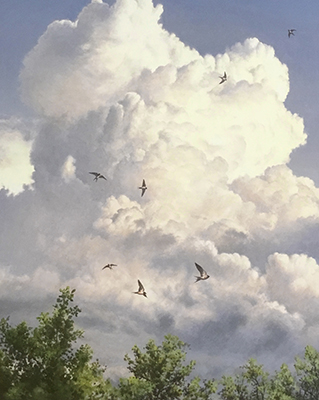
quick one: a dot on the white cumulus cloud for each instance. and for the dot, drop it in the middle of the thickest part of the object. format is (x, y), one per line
(119, 95)
(68, 169)
(90, 64)
(15, 164)
(293, 280)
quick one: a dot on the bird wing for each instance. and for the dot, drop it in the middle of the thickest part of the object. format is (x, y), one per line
(106, 266)
(143, 191)
(140, 286)
(113, 265)
(143, 184)
(102, 176)
(200, 269)
(94, 173)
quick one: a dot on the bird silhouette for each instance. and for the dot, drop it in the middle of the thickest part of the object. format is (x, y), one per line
(223, 78)
(141, 289)
(109, 266)
(291, 32)
(97, 176)
(143, 187)
(203, 273)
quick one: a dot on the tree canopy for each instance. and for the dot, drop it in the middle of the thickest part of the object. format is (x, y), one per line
(42, 362)
(256, 384)
(160, 373)
(46, 363)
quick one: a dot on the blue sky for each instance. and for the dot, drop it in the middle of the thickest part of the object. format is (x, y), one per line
(118, 94)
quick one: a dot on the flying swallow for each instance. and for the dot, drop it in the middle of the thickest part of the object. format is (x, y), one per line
(291, 32)
(143, 187)
(109, 266)
(223, 78)
(97, 176)
(203, 273)
(141, 289)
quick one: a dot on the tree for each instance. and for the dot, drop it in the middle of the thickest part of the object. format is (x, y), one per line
(308, 373)
(160, 373)
(42, 362)
(234, 388)
(256, 384)
(283, 385)
(252, 384)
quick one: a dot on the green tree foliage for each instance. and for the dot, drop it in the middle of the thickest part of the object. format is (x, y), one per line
(251, 384)
(160, 373)
(283, 385)
(308, 374)
(42, 362)
(256, 384)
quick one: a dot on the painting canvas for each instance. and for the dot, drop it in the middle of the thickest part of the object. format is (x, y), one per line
(159, 157)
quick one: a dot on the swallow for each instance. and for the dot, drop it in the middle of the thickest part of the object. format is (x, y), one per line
(109, 266)
(143, 187)
(291, 32)
(203, 273)
(141, 289)
(223, 78)
(97, 176)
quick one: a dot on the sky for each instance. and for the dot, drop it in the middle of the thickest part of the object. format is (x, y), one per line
(131, 89)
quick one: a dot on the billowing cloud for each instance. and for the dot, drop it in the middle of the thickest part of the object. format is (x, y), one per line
(118, 94)
(299, 276)
(15, 165)
(68, 169)
(167, 119)
(91, 64)
(279, 197)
